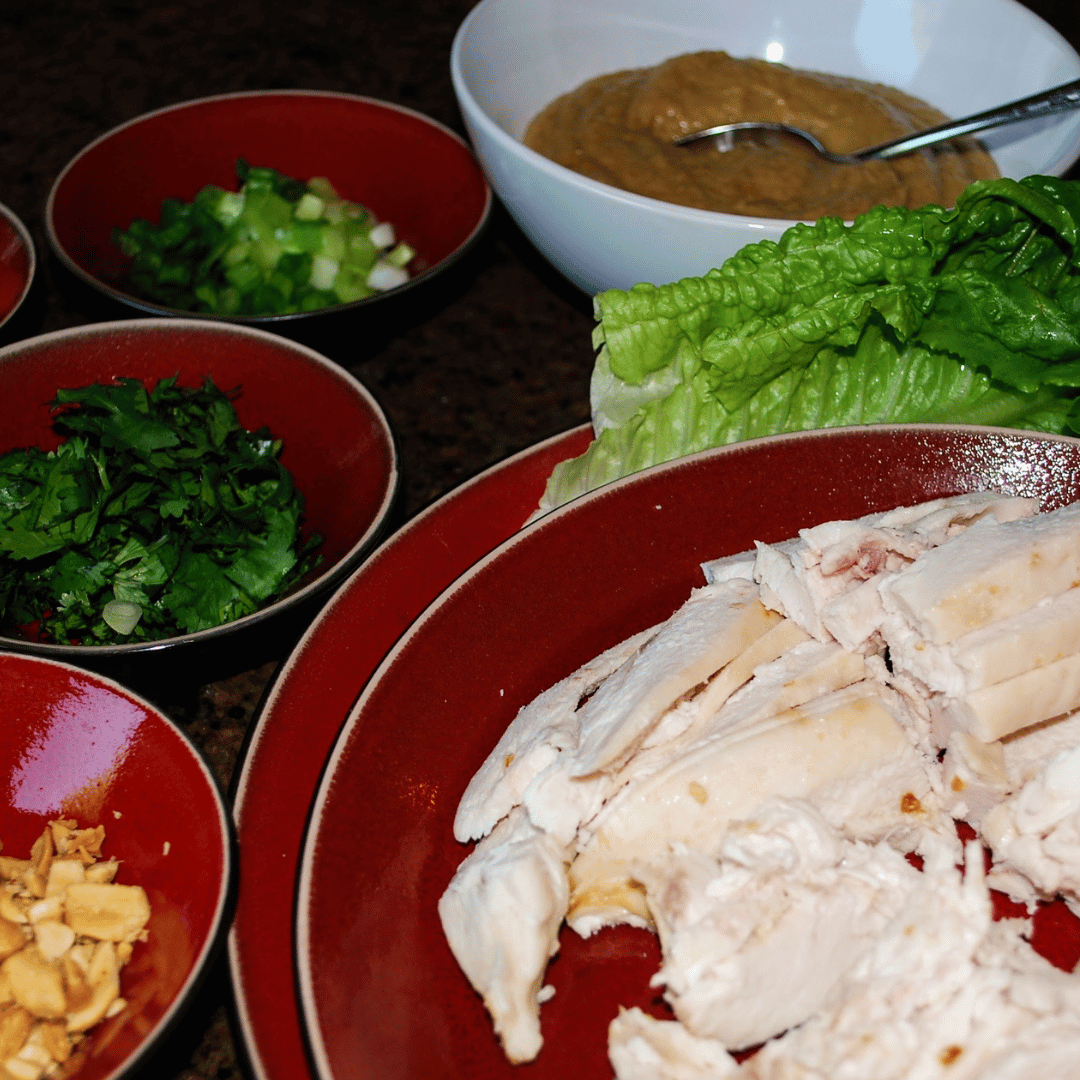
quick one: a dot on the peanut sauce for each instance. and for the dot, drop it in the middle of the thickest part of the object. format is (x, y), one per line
(619, 129)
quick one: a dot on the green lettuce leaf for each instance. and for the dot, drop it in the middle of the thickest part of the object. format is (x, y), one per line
(969, 315)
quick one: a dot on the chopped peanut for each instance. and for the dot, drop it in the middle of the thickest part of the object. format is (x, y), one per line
(36, 983)
(15, 1025)
(56, 1040)
(12, 939)
(53, 938)
(106, 912)
(66, 930)
(102, 872)
(51, 907)
(11, 908)
(62, 873)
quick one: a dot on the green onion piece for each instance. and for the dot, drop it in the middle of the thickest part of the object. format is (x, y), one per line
(309, 208)
(402, 255)
(121, 615)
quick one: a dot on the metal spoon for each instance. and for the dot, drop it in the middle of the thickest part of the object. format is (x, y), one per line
(1059, 99)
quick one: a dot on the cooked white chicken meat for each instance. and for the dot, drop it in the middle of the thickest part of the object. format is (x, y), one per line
(941, 992)
(944, 992)
(755, 942)
(1035, 833)
(878, 676)
(827, 579)
(505, 904)
(846, 751)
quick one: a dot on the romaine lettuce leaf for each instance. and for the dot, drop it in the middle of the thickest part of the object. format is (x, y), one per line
(969, 315)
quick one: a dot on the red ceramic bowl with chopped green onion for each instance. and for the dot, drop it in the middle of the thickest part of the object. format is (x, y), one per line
(406, 168)
(336, 443)
(17, 264)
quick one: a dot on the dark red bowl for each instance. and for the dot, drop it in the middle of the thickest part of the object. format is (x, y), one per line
(381, 994)
(77, 745)
(17, 264)
(405, 167)
(336, 442)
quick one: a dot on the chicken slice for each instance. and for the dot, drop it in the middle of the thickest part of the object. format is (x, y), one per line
(820, 579)
(1035, 833)
(986, 574)
(1009, 706)
(501, 915)
(714, 626)
(643, 1048)
(943, 993)
(846, 752)
(1028, 752)
(974, 777)
(754, 943)
(535, 739)
(1037, 637)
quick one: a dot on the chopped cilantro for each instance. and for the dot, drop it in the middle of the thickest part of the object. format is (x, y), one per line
(156, 499)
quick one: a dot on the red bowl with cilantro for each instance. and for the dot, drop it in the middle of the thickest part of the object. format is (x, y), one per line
(170, 507)
(407, 169)
(17, 264)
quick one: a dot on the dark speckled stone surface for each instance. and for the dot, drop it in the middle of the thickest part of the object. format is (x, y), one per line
(498, 361)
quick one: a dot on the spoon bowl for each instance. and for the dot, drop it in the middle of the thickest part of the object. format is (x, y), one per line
(1058, 99)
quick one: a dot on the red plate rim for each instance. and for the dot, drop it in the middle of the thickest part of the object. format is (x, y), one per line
(260, 943)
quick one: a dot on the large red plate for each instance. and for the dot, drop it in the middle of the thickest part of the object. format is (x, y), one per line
(308, 704)
(381, 994)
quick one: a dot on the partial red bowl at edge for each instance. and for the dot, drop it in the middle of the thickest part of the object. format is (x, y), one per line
(79, 746)
(405, 167)
(18, 262)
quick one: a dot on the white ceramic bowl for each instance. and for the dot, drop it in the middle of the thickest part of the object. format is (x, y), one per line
(511, 57)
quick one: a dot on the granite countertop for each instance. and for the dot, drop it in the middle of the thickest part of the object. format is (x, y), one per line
(502, 363)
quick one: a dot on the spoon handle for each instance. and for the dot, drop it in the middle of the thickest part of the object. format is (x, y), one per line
(1058, 99)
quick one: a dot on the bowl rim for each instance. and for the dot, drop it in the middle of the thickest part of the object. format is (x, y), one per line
(324, 583)
(130, 300)
(475, 114)
(227, 888)
(23, 233)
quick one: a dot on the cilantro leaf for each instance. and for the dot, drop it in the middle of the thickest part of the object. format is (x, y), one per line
(158, 498)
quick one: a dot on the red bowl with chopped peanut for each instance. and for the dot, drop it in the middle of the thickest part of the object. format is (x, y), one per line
(115, 872)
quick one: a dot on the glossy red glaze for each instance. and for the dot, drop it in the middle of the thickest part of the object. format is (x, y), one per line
(77, 745)
(405, 167)
(16, 263)
(381, 993)
(307, 705)
(336, 441)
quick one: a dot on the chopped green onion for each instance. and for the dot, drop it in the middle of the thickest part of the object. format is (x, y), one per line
(121, 615)
(385, 276)
(276, 246)
(383, 235)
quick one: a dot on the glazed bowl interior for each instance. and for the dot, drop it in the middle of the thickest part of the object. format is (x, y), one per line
(380, 990)
(405, 167)
(336, 441)
(512, 57)
(81, 747)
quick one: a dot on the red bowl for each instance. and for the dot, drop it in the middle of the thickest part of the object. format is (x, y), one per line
(336, 440)
(405, 167)
(381, 994)
(17, 264)
(77, 745)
